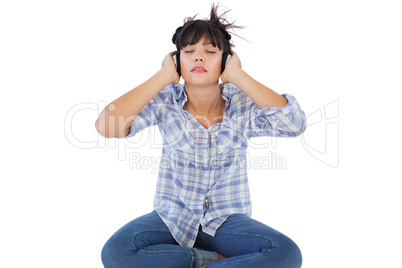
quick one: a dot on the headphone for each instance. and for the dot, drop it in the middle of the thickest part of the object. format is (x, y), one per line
(225, 58)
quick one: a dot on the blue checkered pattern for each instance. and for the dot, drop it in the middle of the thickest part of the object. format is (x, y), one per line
(201, 164)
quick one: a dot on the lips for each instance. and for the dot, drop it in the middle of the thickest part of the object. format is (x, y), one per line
(198, 69)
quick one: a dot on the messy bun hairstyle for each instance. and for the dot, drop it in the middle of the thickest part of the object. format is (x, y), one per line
(214, 29)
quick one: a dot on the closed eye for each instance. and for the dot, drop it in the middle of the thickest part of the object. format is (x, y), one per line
(191, 51)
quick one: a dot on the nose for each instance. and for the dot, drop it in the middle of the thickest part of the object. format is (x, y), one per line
(199, 57)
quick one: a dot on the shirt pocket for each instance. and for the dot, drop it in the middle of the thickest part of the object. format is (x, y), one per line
(176, 134)
(231, 137)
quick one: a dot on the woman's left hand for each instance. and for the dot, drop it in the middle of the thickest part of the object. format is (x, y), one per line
(231, 67)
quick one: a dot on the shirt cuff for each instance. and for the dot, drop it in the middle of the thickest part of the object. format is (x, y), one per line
(290, 107)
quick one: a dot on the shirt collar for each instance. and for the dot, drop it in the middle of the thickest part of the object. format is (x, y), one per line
(181, 96)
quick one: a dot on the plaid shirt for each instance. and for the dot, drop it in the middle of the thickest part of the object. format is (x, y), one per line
(202, 177)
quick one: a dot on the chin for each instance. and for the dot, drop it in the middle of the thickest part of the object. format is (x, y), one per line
(200, 82)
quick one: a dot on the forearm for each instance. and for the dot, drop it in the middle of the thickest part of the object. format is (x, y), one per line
(115, 120)
(260, 94)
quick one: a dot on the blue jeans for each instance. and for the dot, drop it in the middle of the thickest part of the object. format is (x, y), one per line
(147, 242)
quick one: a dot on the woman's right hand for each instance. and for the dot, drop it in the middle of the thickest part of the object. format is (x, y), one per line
(169, 68)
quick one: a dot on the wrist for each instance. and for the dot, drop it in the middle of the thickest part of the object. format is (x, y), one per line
(167, 76)
(235, 75)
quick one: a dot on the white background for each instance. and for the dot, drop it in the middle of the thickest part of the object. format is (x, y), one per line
(64, 190)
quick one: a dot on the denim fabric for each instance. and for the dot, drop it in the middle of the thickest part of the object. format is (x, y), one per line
(147, 242)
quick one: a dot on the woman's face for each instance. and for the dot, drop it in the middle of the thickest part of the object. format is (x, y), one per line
(201, 63)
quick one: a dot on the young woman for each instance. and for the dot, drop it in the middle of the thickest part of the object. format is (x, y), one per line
(202, 205)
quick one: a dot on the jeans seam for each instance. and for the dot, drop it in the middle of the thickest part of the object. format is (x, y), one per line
(151, 252)
(243, 234)
(143, 251)
(134, 237)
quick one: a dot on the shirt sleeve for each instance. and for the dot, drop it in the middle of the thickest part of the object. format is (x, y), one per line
(146, 118)
(287, 121)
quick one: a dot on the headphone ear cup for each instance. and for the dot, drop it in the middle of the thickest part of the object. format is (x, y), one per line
(225, 58)
(176, 59)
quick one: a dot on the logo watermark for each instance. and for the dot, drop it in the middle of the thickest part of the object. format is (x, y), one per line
(271, 161)
(320, 140)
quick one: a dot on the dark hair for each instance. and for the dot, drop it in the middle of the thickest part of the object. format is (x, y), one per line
(214, 29)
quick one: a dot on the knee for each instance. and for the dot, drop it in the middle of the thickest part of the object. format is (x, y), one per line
(115, 253)
(293, 254)
(285, 251)
(109, 254)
